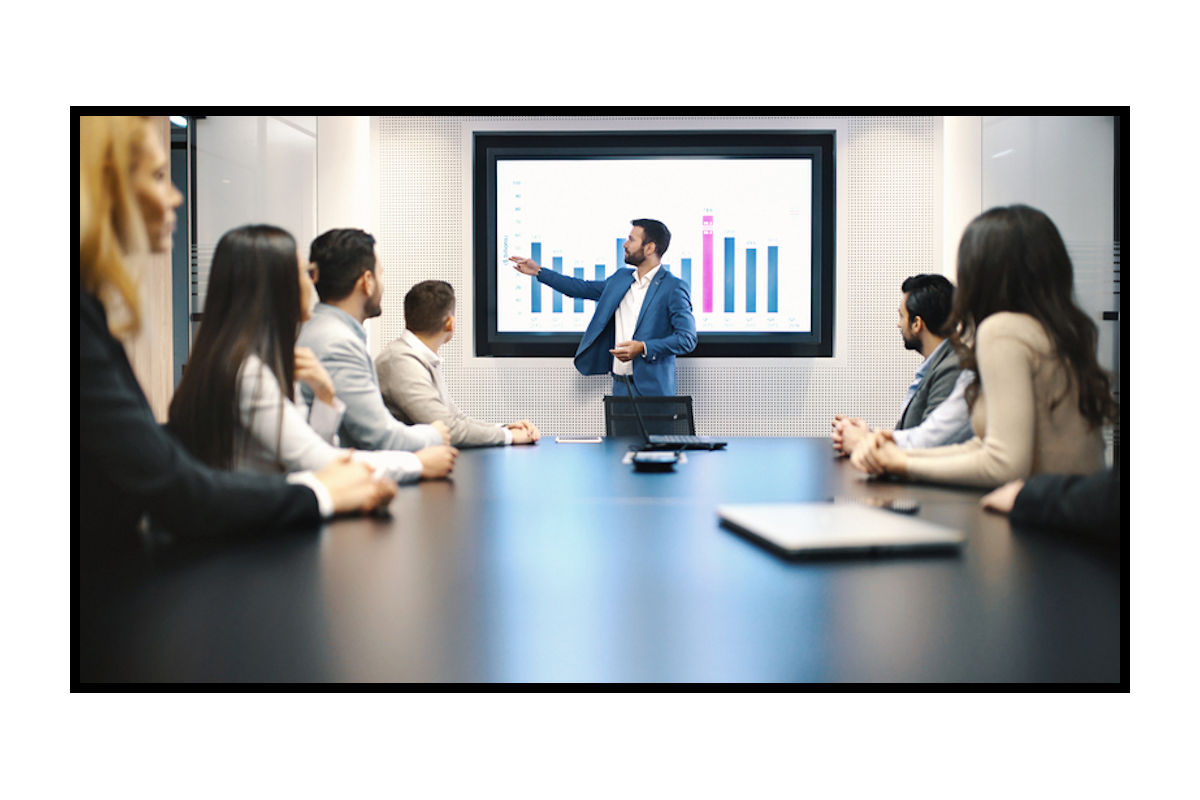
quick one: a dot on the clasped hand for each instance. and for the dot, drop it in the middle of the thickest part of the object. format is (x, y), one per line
(847, 433)
(353, 486)
(437, 461)
(877, 454)
(524, 432)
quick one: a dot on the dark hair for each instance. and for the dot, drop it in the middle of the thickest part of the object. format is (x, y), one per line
(930, 297)
(1013, 259)
(252, 306)
(342, 255)
(427, 305)
(655, 232)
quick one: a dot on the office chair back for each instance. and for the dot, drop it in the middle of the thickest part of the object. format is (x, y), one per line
(662, 415)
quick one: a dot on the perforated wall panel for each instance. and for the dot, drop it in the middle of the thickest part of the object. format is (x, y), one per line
(888, 198)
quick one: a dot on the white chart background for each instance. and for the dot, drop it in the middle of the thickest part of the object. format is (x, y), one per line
(578, 209)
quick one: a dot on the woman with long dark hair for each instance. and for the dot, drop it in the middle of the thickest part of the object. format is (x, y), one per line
(128, 466)
(236, 407)
(1039, 398)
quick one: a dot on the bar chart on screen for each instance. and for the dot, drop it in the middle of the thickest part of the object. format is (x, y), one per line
(741, 237)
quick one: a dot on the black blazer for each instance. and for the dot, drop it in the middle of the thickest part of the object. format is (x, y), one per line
(1084, 505)
(127, 464)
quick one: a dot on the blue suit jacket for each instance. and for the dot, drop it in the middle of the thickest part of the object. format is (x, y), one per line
(665, 324)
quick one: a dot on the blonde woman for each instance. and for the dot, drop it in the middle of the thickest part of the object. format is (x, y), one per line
(127, 465)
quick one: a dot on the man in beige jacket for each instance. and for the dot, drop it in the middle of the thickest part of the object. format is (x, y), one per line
(410, 373)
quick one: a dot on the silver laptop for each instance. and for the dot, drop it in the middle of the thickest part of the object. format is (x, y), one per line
(809, 529)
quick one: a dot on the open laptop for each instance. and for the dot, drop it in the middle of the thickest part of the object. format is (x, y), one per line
(797, 530)
(669, 441)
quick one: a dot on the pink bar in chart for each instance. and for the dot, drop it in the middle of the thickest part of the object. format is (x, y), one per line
(706, 236)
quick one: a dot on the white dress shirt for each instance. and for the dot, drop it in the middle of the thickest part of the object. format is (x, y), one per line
(627, 317)
(274, 432)
(949, 423)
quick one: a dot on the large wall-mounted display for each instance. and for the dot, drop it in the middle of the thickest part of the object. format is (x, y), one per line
(750, 213)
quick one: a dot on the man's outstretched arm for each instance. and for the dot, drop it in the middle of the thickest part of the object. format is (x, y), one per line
(571, 287)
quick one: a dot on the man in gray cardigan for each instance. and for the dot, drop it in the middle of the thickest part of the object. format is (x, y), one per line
(935, 408)
(410, 373)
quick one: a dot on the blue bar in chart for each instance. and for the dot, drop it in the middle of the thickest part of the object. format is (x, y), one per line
(686, 266)
(599, 272)
(620, 262)
(557, 303)
(728, 274)
(535, 288)
(772, 279)
(751, 283)
(579, 300)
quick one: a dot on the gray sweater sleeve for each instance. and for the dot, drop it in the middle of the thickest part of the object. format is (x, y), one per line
(411, 393)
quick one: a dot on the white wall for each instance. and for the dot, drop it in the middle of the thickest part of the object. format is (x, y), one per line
(962, 184)
(345, 181)
(889, 227)
(906, 189)
(907, 186)
(344, 174)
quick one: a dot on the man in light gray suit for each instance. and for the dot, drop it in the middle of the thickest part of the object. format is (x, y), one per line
(349, 282)
(410, 373)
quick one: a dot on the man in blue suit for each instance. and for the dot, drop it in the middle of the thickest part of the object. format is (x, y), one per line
(643, 318)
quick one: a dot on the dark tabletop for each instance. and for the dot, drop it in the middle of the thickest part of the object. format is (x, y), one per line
(557, 562)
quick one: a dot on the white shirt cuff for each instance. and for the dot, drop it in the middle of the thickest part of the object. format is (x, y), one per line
(410, 467)
(507, 432)
(399, 465)
(902, 439)
(324, 499)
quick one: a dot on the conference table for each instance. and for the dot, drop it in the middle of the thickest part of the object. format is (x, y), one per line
(558, 563)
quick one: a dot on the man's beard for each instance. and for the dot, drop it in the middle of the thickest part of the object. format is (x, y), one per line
(911, 344)
(374, 306)
(637, 258)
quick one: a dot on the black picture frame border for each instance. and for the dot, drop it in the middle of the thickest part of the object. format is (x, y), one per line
(819, 145)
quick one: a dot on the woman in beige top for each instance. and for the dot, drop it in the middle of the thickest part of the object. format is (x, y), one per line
(1040, 397)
